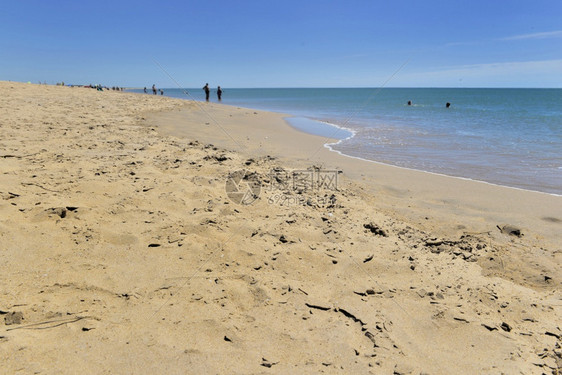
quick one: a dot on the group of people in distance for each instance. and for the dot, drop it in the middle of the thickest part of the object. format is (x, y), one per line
(208, 92)
(205, 88)
(154, 90)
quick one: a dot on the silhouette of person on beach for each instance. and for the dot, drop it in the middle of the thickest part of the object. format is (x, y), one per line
(219, 93)
(161, 92)
(207, 91)
(145, 90)
(154, 89)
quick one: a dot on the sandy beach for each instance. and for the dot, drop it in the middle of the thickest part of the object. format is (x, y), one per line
(125, 249)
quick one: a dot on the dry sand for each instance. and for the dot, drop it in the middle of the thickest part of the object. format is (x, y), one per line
(121, 252)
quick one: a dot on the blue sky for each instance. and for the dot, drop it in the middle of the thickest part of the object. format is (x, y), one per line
(424, 43)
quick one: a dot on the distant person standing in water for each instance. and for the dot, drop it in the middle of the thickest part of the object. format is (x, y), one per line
(207, 91)
(409, 102)
(447, 105)
(154, 89)
(219, 93)
(145, 90)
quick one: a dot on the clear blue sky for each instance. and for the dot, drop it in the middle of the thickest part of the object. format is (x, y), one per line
(288, 43)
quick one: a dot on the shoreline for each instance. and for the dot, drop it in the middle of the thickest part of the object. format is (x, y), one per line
(550, 204)
(328, 146)
(126, 250)
(492, 181)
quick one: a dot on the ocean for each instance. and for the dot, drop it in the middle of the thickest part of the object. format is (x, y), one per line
(509, 137)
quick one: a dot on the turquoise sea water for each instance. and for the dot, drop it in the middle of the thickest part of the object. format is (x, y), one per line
(510, 137)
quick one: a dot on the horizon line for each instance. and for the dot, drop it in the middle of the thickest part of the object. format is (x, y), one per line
(303, 87)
